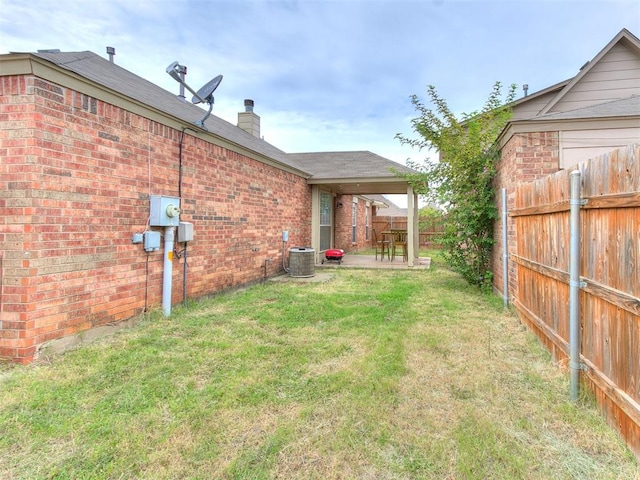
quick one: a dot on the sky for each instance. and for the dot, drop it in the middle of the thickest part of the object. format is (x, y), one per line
(331, 75)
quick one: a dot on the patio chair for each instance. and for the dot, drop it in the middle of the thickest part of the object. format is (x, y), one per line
(381, 245)
(399, 245)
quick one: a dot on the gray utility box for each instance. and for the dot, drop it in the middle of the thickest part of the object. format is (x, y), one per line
(151, 241)
(164, 211)
(185, 232)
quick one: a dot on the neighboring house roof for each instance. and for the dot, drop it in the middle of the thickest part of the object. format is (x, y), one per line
(624, 38)
(530, 105)
(619, 80)
(378, 200)
(594, 112)
(392, 210)
(386, 207)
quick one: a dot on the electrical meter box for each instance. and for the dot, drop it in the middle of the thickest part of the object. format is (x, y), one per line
(164, 211)
(185, 232)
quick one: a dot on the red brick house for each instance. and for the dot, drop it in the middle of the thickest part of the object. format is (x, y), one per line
(95, 159)
(353, 215)
(355, 202)
(595, 112)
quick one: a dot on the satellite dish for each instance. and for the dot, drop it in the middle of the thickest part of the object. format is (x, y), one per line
(206, 91)
(204, 95)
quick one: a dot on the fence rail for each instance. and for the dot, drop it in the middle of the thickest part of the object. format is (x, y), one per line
(429, 228)
(609, 277)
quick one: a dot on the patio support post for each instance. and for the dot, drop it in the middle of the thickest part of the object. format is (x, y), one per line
(410, 225)
(416, 227)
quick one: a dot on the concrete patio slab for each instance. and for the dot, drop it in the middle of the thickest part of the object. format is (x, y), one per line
(323, 271)
(369, 261)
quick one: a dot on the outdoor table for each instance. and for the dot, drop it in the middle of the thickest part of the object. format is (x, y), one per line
(392, 237)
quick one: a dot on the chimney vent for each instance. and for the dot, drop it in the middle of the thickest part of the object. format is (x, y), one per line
(111, 52)
(525, 87)
(248, 120)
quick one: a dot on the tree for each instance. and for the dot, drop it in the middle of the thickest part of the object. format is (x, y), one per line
(430, 211)
(461, 180)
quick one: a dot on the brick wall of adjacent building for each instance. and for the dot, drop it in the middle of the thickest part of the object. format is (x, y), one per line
(525, 157)
(75, 180)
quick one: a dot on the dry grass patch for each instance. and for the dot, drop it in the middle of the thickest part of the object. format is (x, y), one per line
(483, 394)
(372, 375)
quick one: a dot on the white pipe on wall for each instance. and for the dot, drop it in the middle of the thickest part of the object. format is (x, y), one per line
(167, 272)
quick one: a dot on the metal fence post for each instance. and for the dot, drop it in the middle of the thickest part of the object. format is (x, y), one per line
(574, 286)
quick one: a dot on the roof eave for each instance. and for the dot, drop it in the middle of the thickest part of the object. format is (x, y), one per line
(29, 64)
(539, 93)
(552, 125)
(335, 180)
(624, 36)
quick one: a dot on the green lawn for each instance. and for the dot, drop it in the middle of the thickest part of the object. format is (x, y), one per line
(369, 375)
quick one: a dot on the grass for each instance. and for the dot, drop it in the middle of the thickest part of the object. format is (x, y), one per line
(370, 375)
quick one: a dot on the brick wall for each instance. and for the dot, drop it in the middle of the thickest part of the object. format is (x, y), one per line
(75, 180)
(524, 158)
(344, 225)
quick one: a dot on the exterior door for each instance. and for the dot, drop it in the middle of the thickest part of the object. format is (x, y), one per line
(326, 221)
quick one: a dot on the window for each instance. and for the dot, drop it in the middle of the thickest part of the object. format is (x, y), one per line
(354, 219)
(366, 223)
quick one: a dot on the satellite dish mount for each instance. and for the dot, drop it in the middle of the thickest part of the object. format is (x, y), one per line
(203, 95)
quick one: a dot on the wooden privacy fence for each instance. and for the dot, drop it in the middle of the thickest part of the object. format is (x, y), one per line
(430, 228)
(609, 299)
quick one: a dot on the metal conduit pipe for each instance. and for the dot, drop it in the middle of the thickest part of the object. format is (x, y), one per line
(167, 271)
(284, 251)
(184, 277)
(574, 286)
